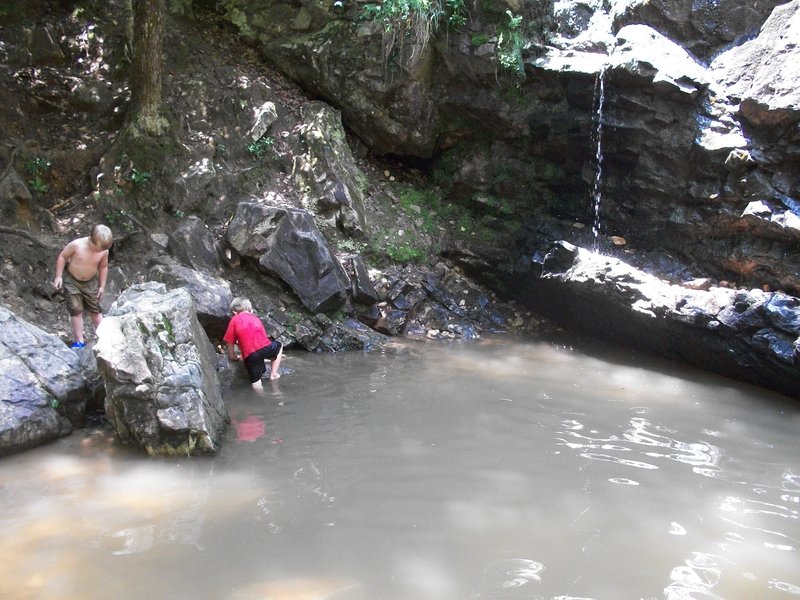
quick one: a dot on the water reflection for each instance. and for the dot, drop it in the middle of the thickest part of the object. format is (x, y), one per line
(487, 471)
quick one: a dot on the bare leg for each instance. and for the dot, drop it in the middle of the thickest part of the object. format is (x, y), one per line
(276, 363)
(256, 385)
(96, 319)
(77, 327)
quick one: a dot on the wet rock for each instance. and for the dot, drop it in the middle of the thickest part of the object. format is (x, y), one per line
(349, 335)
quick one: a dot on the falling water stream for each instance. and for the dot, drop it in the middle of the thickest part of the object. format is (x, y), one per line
(597, 192)
(494, 470)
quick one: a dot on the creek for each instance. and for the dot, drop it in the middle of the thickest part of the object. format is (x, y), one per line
(494, 470)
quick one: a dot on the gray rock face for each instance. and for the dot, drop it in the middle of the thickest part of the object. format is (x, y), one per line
(159, 368)
(702, 26)
(193, 245)
(211, 295)
(763, 72)
(750, 335)
(287, 244)
(327, 172)
(43, 386)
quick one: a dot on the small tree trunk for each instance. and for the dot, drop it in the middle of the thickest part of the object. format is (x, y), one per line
(144, 112)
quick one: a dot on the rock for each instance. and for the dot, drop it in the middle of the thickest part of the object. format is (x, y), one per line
(349, 335)
(746, 335)
(644, 53)
(193, 244)
(362, 290)
(264, 116)
(763, 72)
(211, 295)
(43, 385)
(286, 244)
(327, 171)
(702, 26)
(44, 48)
(159, 368)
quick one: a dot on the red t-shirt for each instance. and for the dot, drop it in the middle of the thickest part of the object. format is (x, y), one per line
(246, 330)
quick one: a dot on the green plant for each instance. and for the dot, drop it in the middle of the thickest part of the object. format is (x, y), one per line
(404, 253)
(350, 245)
(413, 21)
(38, 185)
(465, 223)
(36, 166)
(139, 177)
(478, 39)
(259, 148)
(510, 42)
(119, 220)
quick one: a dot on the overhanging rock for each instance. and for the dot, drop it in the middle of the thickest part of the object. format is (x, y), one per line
(749, 335)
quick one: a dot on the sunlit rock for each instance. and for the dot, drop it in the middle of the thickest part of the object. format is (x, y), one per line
(211, 295)
(746, 334)
(159, 367)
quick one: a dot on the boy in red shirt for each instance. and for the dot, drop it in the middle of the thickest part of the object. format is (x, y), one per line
(247, 331)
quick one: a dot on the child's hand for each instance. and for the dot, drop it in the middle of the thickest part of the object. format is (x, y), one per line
(58, 282)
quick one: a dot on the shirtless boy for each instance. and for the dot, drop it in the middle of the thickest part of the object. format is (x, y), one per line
(81, 270)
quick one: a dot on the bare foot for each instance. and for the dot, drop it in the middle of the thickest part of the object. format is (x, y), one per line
(275, 376)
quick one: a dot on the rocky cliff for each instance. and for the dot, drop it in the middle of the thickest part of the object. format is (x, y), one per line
(699, 121)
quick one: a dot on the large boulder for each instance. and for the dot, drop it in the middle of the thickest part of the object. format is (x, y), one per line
(211, 295)
(286, 244)
(43, 385)
(159, 368)
(749, 335)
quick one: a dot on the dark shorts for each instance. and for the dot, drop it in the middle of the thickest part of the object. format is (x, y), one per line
(254, 363)
(81, 295)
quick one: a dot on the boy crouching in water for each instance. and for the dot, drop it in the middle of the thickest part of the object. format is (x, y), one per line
(247, 330)
(84, 280)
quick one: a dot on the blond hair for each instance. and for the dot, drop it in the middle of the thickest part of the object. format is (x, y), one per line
(101, 237)
(241, 305)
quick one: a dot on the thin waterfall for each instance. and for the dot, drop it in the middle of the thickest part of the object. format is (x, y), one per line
(597, 191)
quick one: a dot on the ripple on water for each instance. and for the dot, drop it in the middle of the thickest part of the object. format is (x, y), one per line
(623, 481)
(512, 573)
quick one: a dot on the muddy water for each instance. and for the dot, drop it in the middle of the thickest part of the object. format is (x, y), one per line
(494, 470)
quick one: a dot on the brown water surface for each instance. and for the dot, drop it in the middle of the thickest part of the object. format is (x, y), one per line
(492, 470)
